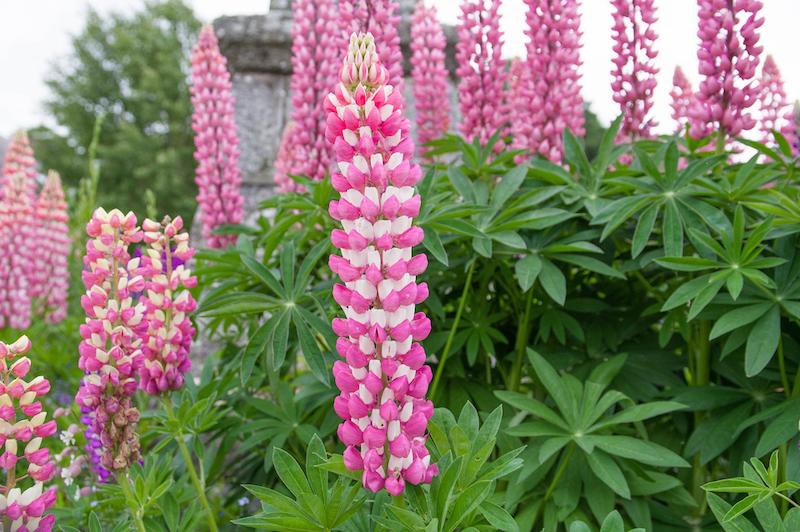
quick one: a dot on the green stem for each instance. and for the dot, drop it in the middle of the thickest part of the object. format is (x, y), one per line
(782, 496)
(451, 336)
(523, 332)
(560, 473)
(782, 475)
(782, 363)
(700, 377)
(133, 506)
(187, 458)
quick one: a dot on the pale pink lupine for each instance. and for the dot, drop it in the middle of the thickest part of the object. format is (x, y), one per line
(777, 113)
(429, 74)
(383, 378)
(168, 304)
(217, 147)
(110, 351)
(728, 59)
(17, 252)
(286, 161)
(634, 71)
(51, 281)
(681, 98)
(481, 71)
(548, 98)
(382, 19)
(25, 460)
(19, 159)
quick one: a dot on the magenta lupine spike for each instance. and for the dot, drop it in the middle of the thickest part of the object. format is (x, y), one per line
(26, 459)
(383, 378)
(168, 303)
(110, 349)
(216, 145)
(728, 57)
(17, 264)
(481, 71)
(382, 19)
(51, 281)
(777, 113)
(429, 74)
(681, 98)
(316, 37)
(19, 159)
(548, 98)
(634, 71)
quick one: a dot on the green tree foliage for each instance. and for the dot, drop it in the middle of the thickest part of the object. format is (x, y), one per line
(134, 70)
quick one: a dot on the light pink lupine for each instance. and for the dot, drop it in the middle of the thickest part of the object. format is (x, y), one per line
(382, 19)
(383, 378)
(17, 251)
(681, 97)
(19, 160)
(51, 281)
(285, 161)
(777, 113)
(481, 71)
(217, 147)
(548, 98)
(26, 459)
(110, 352)
(168, 303)
(429, 74)
(634, 71)
(728, 59)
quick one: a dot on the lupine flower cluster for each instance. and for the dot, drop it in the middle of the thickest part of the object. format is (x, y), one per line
(51, 276)
(22, 432)
(216, 145)
(168, 303)
(728, 56)
(19, 160)
(383, 378)
(110, 352)
(429, 74)
(481, 71)
(777, 112)
(548, 98)
(681, 98)
(634, 71)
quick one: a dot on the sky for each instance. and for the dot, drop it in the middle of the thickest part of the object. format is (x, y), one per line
(36, 33)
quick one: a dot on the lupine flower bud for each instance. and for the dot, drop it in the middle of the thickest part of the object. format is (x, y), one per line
(548, 96)
(776, 111)
(728, 59)
(110, 352)
(481, 71)
(217, 146)
(429, 74)
(51, 276)
(168, 338)
(682, 98)
(23, 429)
(634, 71)
(381, 18)
(380, 391)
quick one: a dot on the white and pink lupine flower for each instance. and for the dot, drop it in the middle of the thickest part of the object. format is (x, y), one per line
(168, 303)
(548, 96)
(51, 281)
(429, 74)
(777, 112)
(17, 264)
(110, 352)
(25, 459)
(481, 71)
(383, 378)
(728, 58)
(19, 159)
(216, 145)
(681, 98)
(634, 71)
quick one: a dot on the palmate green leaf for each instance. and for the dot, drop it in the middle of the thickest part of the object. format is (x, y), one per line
(778, 432)
(553, 281)
(644, 228)
(762, 342)
(532, 406)
(498, 517)
(734, 485)
(606, 469)
(737, 318)
(686, 292)
(239, 303)
(263, 274)
(720, 508)
(311, 351)
(461, 183)
(276, 353)
(433, 243)
(688, 264)
(672, 230)
(589, 263)
(527, 270)
(508, 185)
(639, 413)
(705, 297)
(741, 507)
(639, 450)
(290, 473)
(553, 384)
(256, 345)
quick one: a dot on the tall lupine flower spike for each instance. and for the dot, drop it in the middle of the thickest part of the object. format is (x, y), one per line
(286, 161)
(681, 97)
(17, 263)
(383, 378)
(728, 59)
(548, 97)
(19, 160)
(429, 74)
(481, 70)
(316, 37)
(382, 19)
(777, 113)
(51, 281)
(22, 432)
(217, 146)
(634, 71)
(168, 303)
(110, 352)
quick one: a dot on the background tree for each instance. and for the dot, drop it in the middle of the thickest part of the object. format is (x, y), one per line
(134, 70)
